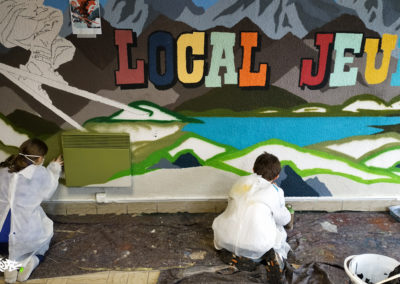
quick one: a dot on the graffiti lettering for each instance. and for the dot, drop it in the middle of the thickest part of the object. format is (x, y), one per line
(324, 43)
(191, 45)
(126, 75)
(349, 43)
(184, 60)
(222, 43)
(190, 57)
(247, 78)
(373, 75)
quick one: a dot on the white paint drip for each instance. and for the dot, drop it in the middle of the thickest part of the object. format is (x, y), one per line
(329, 227)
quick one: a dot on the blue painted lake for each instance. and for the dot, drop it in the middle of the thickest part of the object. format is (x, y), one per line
(242, 132)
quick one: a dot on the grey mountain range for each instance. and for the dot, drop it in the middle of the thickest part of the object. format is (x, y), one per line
(275, 17)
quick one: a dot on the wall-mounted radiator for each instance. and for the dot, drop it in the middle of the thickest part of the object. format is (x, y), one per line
(96, 159)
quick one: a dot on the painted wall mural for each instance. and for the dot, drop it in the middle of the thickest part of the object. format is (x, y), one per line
(204, 87)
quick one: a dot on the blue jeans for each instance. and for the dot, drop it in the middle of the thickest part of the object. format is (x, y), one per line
(4, 233)
(5, 230)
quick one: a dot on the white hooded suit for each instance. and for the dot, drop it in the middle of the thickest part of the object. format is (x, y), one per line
(23, 192)
(253, 222)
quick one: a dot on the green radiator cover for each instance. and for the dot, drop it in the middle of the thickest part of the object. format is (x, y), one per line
(93, 158)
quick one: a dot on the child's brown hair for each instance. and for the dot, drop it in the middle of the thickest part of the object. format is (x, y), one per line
(268, 166)
(20, 161)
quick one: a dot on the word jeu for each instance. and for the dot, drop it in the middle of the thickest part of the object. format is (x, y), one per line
(348, 42)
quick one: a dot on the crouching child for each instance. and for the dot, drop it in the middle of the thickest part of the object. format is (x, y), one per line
(251, 229)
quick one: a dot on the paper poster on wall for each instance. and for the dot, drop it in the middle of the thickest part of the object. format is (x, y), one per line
(85, 17)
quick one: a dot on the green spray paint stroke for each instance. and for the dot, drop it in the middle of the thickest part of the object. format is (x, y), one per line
(143, 167)
(377, 154)
(138, 105)
(389, 177)
(324, 146)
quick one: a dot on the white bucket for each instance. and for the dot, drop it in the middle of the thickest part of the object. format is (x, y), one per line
(374, 267)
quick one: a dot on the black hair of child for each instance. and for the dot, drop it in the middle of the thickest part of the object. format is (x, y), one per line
(268, 166)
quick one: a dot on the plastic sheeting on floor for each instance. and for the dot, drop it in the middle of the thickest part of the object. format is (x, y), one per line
(315, 273)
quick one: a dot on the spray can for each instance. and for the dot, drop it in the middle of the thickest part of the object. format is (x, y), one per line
(289, 226)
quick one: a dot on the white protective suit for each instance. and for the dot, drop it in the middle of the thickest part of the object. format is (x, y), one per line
(253, 222)
(23, 192)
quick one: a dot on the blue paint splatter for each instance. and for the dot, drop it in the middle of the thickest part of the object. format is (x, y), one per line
(205, 3)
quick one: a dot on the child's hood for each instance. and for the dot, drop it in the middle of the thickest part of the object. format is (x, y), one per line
(248, 186)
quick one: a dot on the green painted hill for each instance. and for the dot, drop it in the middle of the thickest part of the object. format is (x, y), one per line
(144, 111)
(237, 99)
(31, 124)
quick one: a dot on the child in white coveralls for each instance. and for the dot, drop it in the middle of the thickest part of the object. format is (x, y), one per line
(26, 231)
(252, 225)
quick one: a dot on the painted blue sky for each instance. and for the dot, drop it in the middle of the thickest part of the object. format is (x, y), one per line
(63, 4)
(204, 3)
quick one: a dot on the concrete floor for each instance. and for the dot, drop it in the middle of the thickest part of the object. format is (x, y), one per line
(142, 248)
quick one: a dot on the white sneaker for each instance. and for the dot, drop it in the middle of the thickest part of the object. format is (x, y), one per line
(10, 276)
(27, 271)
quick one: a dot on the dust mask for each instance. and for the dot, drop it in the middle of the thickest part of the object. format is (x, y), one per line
(32, 156)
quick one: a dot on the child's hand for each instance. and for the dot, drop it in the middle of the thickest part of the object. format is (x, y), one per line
(59, 160)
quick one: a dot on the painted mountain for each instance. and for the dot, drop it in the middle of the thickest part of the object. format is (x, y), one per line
(294, 185)
(298, 17)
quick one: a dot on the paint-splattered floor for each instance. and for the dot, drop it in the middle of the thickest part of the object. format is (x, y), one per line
(184, 242)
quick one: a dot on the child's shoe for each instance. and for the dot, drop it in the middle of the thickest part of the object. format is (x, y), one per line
(27, 271)
(274, 266)
(239, 262)
(10, 276)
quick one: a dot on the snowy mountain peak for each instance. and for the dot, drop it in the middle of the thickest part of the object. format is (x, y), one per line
(275, 17)
(145, 111)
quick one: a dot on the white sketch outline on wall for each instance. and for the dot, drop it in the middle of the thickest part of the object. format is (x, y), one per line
(35, 27)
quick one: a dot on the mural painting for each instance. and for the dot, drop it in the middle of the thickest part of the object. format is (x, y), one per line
(204, 87)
